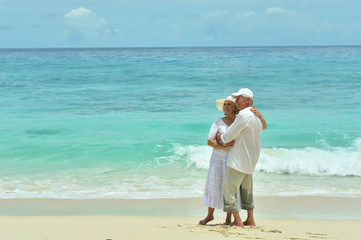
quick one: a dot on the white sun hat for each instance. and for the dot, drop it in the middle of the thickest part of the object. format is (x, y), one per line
(220, 102)
(243, 92)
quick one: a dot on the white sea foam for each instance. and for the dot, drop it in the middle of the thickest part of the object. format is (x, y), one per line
(81, 187)
(280, 171)
(339, 161)
(194, 155)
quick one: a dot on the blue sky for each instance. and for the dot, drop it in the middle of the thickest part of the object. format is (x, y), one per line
(161, 23)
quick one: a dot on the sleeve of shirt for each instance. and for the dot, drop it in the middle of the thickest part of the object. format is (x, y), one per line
(234, 130)
(213, 131)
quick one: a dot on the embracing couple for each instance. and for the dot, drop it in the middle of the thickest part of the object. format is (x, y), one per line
(236, 142)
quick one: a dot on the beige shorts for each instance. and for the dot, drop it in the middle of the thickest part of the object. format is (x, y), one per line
(233, 181)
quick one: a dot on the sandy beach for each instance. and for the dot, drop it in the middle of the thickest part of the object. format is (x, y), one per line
(135, 227)
(277, 218)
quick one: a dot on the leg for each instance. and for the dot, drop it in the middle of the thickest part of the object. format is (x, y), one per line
(247, 199)
(209, 217)
(237, 220)
(250, 219)
(228, 219)
(232, 183)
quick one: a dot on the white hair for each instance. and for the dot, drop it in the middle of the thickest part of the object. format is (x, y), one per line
(250, 99)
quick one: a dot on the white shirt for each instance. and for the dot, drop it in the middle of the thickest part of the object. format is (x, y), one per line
(246, 131)
(218, 126)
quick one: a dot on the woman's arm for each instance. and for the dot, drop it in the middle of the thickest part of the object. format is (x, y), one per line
(259, 115)
(214, 144)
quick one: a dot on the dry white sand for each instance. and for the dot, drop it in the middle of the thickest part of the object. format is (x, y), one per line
(292, 218)
(158, 228)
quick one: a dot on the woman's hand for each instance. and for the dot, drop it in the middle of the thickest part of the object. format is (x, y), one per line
(258, 114)
(218, 137)
(255, 111)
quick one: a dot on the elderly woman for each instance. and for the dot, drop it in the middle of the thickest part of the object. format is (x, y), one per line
(213, 192)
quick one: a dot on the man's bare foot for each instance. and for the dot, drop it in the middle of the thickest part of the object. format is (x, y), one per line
(237, 224)
(227, 222)
(206, 220)
(249, 223)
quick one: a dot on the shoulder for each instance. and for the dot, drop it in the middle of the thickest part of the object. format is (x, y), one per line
(251, 118)
(217, 124)
(245, 114)
(219, 121)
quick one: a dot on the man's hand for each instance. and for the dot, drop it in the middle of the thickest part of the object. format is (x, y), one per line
(229, 145)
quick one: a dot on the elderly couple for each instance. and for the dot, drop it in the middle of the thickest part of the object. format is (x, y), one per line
(236, 143)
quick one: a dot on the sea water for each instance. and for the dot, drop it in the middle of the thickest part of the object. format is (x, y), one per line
(133, 122)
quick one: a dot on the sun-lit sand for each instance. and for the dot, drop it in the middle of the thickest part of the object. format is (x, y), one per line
(277, 218)
(136, 227)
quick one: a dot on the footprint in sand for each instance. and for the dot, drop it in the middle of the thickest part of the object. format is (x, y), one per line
(317, 235)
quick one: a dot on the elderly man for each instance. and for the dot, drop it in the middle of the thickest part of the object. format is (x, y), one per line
(242, 159)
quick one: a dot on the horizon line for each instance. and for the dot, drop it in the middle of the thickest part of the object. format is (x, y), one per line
(155, 47)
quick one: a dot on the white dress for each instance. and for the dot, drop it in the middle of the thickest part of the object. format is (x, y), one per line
(213, 191)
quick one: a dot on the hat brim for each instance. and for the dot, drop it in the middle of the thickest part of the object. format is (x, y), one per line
(220, 102)
(235, 95)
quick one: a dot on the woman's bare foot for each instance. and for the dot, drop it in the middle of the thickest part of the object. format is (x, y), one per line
(206, 220)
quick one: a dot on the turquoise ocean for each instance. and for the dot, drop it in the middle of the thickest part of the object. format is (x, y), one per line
(133, 122)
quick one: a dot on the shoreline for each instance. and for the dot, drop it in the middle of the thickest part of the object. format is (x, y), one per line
(267, 207)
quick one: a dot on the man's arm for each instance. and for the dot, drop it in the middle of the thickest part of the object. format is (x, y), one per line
(234, 130)
(216, 145)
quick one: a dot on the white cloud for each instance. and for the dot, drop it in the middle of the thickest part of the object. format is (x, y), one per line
(246, 14)
(78, 13)
(84, 20)
(272, 26)
(230, 16)
(82, 24)
(276, 10)
(219, 13)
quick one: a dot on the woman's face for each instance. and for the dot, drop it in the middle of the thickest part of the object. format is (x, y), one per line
(229, 108)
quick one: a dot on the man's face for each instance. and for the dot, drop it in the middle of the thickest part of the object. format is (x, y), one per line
(242, 102)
